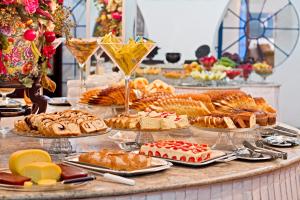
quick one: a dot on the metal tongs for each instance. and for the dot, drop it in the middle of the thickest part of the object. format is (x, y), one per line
(274, 154)
(285, 131)
(261, 144)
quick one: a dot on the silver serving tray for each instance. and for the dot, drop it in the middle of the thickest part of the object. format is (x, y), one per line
(215, 156)
(157, 165)
(264, 158)
(39, 188)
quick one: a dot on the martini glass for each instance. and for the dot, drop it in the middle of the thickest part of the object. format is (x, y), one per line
(82, 50)
(127, 56)
(57, 42)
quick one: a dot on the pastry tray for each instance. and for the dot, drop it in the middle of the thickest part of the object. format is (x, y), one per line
(38, 188)
(228, 130)
(157, 165)
(216, 155)
(37, 135)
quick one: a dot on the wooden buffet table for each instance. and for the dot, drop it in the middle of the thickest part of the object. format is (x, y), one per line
(278, 179)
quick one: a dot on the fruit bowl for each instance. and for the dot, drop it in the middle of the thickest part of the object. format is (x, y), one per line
(263, 69)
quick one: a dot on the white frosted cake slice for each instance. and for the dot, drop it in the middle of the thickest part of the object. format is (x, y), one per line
(177, 150)
(150, 123)
(182, 121)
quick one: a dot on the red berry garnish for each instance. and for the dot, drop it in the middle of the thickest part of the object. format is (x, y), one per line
(150, 153)
(157, 154)
(174, 158)
(199, 159)
(192, 159)
(184, 149)
(183, 158)
(165, 155)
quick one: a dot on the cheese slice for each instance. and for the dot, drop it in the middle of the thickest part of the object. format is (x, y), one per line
(19, 159)
(47, 182)
(41, 170)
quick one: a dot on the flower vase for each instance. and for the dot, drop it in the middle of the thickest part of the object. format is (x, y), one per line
(19, 66)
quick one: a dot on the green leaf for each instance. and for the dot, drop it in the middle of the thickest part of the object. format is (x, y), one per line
(27, 82)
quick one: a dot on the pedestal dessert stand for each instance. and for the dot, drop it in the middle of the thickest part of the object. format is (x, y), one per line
(60, 146)
(226, 137)
(148, 136)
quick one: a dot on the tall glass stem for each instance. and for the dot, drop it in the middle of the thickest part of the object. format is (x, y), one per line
(4, 99)
(127, 92)
(82, 79)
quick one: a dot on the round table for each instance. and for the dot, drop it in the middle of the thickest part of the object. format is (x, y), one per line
(277, 179)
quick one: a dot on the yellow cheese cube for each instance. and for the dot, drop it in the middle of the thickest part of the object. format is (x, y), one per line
(41, 170)
(28, 184)
(47, 182)
(21, 158)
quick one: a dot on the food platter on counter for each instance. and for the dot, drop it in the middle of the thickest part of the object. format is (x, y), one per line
(157, 165)
(61, 185)
(215, 156)
(37, 135)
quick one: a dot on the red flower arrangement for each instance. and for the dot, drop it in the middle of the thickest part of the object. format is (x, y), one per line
(27, 30)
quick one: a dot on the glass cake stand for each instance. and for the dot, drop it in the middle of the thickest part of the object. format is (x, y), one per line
(139, 137)
(60, 146)
(228, 139)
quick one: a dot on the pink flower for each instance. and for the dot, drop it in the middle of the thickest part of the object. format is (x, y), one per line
(31, 5)
(48, 51)
(15, 56)
(8, 2)
(6, 30)
(28, 53)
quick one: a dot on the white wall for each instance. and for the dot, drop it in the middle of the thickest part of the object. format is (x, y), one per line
(179, 25)
(289, 76)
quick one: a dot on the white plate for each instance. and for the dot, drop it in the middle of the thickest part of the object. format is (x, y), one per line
(157, 165)
(39, 188)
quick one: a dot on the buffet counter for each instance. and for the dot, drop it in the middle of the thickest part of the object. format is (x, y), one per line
(232, 180)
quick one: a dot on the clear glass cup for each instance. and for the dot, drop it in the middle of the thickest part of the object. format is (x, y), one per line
(4, 92)
(127, 56)
(82, 50)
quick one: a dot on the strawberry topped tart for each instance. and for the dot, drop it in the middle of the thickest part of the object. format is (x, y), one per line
(177, 150)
